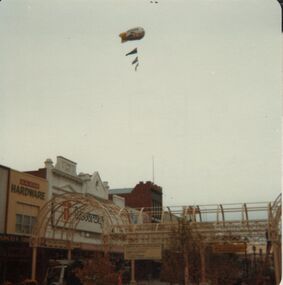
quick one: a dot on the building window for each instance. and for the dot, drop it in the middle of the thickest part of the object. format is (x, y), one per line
(157, 210)
(24, 223)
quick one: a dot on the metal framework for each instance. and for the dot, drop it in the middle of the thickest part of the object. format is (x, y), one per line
(250, 223)
(59, 218)
(230, 223)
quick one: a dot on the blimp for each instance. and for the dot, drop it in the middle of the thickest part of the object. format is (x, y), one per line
(132, 34)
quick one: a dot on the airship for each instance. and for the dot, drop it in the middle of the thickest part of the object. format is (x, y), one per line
(132, 34)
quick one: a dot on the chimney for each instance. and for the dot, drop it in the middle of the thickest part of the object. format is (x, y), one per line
(48, 163)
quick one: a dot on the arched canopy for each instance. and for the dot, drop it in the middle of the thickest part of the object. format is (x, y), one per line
(62, 216)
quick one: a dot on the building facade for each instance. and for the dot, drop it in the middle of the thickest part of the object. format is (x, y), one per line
(24, 194)
(62, 177)
(145, 195)
(21, 196)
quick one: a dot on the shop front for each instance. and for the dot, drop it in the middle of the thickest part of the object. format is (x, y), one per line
(23, 195)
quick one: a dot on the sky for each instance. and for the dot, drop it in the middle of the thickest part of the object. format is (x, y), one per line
(204, 104)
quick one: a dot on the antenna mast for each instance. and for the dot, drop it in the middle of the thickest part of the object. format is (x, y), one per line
(153, 169)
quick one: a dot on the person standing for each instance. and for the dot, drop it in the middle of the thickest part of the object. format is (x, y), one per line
(74, 274)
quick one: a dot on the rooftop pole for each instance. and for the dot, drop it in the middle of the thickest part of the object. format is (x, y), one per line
(153, 169)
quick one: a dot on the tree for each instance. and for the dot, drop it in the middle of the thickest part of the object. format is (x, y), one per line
(181, 261)
(101, 272)
(224, 269)
(188, 260)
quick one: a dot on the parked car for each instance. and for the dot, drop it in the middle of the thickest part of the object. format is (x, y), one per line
(56, 272)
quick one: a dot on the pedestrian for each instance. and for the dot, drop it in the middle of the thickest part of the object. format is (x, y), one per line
(74, 274)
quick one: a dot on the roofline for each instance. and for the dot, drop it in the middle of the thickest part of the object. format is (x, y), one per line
(60, 156)
(6, 167)
(129, 188)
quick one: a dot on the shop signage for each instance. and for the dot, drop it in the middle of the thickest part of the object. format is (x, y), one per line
(88, 217)
(136, 252)
(28, 188)
(57, 243)
(13, 238)
(68, 213)
(229, 248)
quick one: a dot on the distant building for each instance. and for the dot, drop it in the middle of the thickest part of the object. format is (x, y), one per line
(145, 195)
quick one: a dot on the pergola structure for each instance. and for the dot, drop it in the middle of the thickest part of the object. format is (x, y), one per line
(58, 221)
(247, 223)
(235, 225)
(62, 214)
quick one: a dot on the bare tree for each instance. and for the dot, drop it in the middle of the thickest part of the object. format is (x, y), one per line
(181, 261)
(100, 272)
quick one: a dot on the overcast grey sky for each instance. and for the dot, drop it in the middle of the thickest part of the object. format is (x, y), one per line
(205, 102)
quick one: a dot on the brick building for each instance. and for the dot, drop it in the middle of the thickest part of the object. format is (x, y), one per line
(143, 195)
(148, 196)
